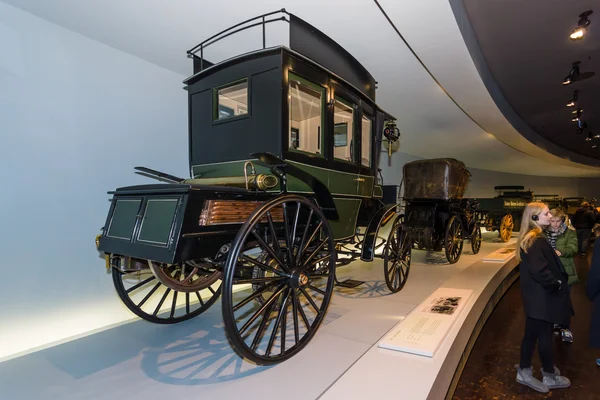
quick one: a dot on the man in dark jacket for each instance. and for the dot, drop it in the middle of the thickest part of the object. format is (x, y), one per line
(583, 220)
(593, 292)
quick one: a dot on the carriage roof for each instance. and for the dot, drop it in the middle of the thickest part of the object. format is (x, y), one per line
(311, 102)
(438, 178)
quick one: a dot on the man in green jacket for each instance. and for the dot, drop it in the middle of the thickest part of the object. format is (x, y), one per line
(564, 243)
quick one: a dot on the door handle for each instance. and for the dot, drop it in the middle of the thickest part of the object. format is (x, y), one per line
(360, 179)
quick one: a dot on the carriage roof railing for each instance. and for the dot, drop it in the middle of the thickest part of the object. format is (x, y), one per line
(242, 26)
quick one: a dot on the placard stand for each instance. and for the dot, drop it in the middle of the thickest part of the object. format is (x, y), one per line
(424, 329)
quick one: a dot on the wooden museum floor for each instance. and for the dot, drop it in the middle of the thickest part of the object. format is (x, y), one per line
(489, 372)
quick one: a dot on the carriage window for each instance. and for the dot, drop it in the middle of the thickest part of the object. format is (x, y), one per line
(231, 100)
(343, 119)
(306, 118)
(366, 141)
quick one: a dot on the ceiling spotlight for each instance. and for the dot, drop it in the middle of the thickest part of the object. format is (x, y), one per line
(579, 32)
(573, 101)
(577, 115)
(597, 136)
(594, 146)
(589, 137)
(573, 74)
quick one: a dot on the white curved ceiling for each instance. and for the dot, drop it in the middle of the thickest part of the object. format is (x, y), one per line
(470, 128)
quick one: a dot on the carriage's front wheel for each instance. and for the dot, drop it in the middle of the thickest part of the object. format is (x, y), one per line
(396, 257)
(272, 313)
(453, 242)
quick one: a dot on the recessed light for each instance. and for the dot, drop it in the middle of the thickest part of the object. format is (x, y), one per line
(579, 32)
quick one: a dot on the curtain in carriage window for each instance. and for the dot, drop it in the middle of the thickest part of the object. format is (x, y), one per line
(305, 104)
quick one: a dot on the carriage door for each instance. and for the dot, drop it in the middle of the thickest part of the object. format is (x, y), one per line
(366, 176)
(346, 153)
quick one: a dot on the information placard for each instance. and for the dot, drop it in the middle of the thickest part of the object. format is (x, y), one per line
(501, 255)
(424, 329)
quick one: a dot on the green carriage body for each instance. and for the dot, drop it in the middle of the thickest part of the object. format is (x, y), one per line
(270, 84)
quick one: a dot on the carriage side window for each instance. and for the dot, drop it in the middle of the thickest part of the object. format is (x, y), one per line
(305, 104)
(367, 126)
(231, 100)
(343, 131)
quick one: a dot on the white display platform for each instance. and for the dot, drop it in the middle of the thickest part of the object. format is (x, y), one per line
(193, 359)
(424, 329)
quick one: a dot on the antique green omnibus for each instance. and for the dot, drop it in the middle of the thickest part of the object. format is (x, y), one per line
(283, 153)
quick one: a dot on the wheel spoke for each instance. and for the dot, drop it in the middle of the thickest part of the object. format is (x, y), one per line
(268, 249)
(261, 310)
(150, 293)
(287, 232)
(319, 225)
(261, 327)
(254, 296)
(316, 289)
(187, 302)
(282, 311)
(200, 298)
(263, 266)
(310, 300)
(319, 247)
(160, 303)
(315, 262)
(173, 304)
(303, 314)
(273, 233)
(142, 283)
(295, 314)
(303, 241)
(292, 245)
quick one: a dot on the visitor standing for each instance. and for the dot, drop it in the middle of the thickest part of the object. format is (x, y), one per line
(545, 296)
(564, 242)
(593, 292)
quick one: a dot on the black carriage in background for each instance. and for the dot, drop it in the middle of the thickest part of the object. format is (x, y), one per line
(503, 212)
(552, 200)
(436, 215)
(283, 153)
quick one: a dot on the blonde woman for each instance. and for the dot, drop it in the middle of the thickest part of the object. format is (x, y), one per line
(545, 296)
(564, 242)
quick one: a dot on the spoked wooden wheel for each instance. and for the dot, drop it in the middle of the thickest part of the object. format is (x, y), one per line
(396, 257)
(271, 315)
(476, 239)
(506, 227)
(453, 242)
(191, 290)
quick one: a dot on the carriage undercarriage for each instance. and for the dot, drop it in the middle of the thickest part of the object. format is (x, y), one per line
(275, 278)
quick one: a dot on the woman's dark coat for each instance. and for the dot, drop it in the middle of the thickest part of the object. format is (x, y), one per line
(543, 296)
(593, 292)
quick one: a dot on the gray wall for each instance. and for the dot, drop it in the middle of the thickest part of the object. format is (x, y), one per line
(75, 117)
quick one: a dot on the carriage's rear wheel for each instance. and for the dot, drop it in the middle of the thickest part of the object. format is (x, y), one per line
(148, 298)
(506, 227)
(396, 257)
(476, 238)
(278, 280)
(453, 242)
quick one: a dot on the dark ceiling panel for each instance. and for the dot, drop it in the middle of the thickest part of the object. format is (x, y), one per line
(527, 49)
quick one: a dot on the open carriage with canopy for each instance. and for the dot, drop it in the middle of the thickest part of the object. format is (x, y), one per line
(437, 217)
(283, 153)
